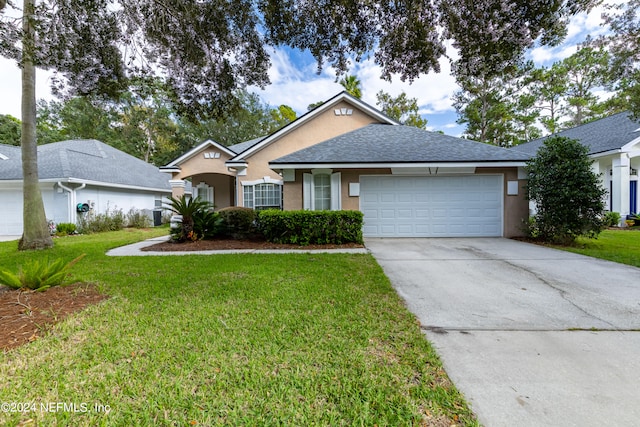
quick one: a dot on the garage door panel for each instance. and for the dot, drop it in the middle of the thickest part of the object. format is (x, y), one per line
(11, 202)
(432, 206)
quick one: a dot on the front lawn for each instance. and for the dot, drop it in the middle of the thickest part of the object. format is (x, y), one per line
(621, 246)
(300, 339)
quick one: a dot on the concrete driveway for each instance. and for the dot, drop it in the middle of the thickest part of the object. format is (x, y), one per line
(532, 336)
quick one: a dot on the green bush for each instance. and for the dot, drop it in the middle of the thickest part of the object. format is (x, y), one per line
(530, 228)
(206, 225)
(187, 208)
(91, 222)
(137, 219)
(238, 222)
(65, 228)
(311, 227)
(39, 274)
(611, 219)
(568, 195)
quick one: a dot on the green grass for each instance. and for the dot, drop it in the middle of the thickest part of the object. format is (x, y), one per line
(621, 246)
(300, 339)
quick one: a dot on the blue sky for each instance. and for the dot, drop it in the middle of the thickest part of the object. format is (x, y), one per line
(295, 82)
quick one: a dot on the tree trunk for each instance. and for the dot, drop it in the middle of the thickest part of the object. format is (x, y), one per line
(35, 234)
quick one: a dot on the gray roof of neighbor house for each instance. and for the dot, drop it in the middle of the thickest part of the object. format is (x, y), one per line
(85, 160)
(380, 143)
(610, 133)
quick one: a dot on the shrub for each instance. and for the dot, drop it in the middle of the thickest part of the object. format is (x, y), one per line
(206, 225)
(65, 228)
(197, 219)
(568, 195)
(91, 222)
(311, 227)
(611, 219)
(185, 207)
(238, 222)
(39, 274)
(137, 219)
(530, 228)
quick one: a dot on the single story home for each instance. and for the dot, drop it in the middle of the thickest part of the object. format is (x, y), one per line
(614, 146)
(345, 154)
(79, 172)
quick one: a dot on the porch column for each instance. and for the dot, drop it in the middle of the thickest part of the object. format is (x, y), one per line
(177, 187)
(620, 185)
(598, 170)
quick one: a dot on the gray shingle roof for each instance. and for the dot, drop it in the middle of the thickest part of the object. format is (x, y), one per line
(610, 133)
(243, 146)
(89, 160)
(379, 143)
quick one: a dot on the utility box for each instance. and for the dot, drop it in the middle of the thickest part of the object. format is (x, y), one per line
(157, 218)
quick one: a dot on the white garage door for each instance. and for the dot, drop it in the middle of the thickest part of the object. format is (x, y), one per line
(11, 212)
(442, 206)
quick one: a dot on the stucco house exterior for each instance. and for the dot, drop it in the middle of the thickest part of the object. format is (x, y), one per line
(346, 154)
(614, 146)
(75, 172)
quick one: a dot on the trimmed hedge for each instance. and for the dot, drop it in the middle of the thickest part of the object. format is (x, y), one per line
(238, 222)
(311, 227)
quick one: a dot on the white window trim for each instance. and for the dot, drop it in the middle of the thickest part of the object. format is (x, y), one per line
(264, 180)
(205, 192)
(308, 189)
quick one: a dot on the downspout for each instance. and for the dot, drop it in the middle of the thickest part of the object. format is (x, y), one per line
(72, 201)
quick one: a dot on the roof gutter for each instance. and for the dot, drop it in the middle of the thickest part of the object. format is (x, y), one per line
(512, 163)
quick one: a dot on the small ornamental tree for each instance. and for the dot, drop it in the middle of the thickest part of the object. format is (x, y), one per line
(568, 194)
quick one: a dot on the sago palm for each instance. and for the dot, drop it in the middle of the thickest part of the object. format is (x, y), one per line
(187, 207)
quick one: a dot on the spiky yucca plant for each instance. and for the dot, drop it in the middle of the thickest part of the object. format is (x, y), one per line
(39, 275)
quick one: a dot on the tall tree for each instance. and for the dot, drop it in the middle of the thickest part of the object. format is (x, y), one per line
(624, 44)
(586, 70)
(145, 119)
(549, 87)
(483, 105)
(352, 85)
(36, 232)
(401, 108)
(10, 130)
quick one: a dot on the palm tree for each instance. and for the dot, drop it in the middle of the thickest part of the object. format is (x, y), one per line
(352, 85)
(187, 208)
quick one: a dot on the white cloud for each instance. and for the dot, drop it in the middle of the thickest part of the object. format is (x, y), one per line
(298, 89)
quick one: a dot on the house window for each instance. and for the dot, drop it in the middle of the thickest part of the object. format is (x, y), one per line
(322, 192)
(205, 192)
(263, 196)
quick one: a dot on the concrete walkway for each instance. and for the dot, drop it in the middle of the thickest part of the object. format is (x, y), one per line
(135, 250)
(532, 336)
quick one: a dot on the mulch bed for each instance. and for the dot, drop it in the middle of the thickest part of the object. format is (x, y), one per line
(26, 315)
(225, 244)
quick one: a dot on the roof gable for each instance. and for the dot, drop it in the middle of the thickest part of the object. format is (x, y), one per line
(196, 150)
(304, 119)
(379, 143)
(616, 132)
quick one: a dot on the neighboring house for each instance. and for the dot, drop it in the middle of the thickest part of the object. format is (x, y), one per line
(345, 154)
(614, 145)
(76, 172)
